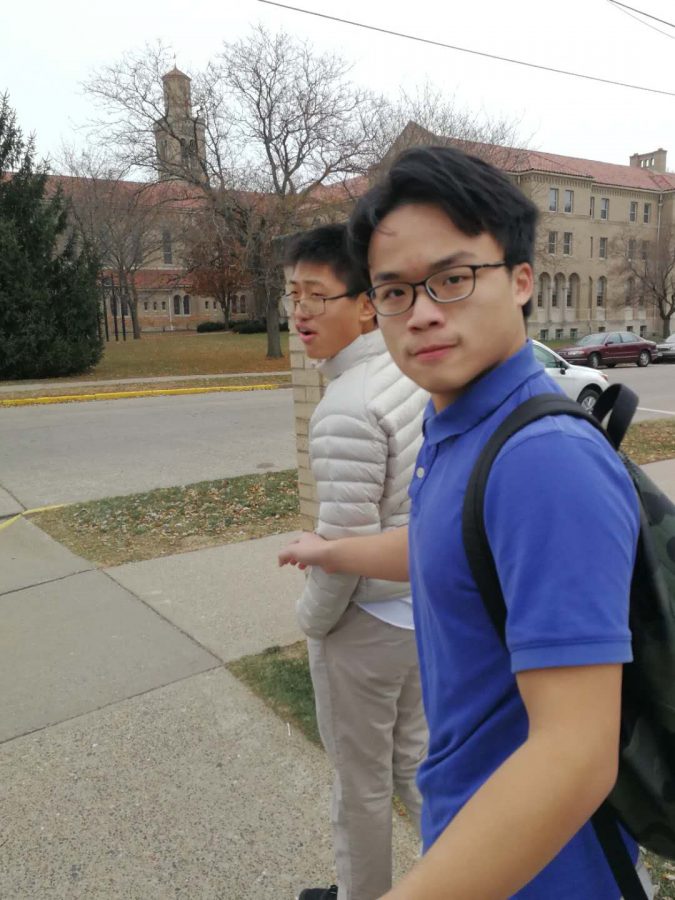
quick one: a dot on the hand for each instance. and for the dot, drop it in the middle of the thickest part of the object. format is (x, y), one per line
(308, 550)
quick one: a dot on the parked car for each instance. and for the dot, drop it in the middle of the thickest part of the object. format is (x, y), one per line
(607, 348)
(667, 349)
(578, 382)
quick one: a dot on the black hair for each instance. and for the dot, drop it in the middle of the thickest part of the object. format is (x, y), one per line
(327, 245)
(477, 197)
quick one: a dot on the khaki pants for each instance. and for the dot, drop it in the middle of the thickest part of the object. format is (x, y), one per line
(369, 708)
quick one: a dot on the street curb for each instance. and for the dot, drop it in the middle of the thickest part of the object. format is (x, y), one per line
(120, 395)
(10, 520)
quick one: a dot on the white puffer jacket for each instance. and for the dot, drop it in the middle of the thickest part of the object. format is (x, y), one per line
(364, 437)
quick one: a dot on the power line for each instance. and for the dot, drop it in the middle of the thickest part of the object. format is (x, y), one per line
(642, 22)
(516, 62)
(642, 13)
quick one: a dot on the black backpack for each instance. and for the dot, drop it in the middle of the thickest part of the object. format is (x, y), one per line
(643, 799)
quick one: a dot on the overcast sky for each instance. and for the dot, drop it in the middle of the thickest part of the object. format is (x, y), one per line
(48, 49)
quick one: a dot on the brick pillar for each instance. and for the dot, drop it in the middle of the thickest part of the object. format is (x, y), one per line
(307, 391)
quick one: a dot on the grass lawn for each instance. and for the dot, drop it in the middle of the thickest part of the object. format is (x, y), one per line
(280, 676)
(174, 520)
(186, 353)
(650, 441)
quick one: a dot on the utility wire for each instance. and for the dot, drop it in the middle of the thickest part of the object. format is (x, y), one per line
(516, 62)
(646, 24)
(642, 13)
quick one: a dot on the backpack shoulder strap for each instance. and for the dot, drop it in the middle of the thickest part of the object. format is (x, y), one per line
(476, 543)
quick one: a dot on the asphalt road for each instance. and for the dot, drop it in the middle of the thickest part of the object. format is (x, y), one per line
(64, 453)
(654, 385)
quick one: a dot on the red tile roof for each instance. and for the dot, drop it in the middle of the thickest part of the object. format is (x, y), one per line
(516, 160)
(158, 279)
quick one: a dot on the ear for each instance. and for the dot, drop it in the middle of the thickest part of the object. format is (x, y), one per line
(366, 309)
(522, 278)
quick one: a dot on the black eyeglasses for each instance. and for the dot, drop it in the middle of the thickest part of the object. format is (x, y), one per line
(447, 286)
(314, 305)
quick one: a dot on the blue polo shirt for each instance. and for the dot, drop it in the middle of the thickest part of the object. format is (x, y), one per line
(562, 518)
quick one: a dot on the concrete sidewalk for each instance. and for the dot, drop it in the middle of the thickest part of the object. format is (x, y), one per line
(134, 765)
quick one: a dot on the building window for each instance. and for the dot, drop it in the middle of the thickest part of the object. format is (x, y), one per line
(167, 249)
(553, 199)
(592, 212)
(573, 333)
(206, 304)
(552, 241)
(146, 305)
(176, 305)
(632, 216)
(568, 296)
(154, 305)
(186, 305)
(604, 208)
(602, 291)
(567, 243)
(569, 201)
(645, 249)
(242, 304)
(630, 291)
(602, 249)
(629, 327)
(558, 334)
(631, 248)
(647, 214)
(591, 248)
(543, 334)
(163, 304)
(643, 330)
(601, 329)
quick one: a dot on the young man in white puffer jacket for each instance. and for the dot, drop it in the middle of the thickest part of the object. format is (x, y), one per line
(364, 437)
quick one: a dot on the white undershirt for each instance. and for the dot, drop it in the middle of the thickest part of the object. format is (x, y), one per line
(397, 611)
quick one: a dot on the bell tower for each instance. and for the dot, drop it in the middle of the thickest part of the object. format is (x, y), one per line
(179, 136)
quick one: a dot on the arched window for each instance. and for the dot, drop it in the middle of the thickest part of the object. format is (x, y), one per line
(572, 300)
(176, 304)
(242, 303)
(559, 291)
(186, 305)
(544, 292)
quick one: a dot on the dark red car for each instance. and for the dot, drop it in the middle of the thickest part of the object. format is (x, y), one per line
(607, 348)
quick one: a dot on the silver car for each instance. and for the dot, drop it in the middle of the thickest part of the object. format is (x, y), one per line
(666, 349)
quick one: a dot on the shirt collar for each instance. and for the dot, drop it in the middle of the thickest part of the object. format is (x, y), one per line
(364, 347)
(482, 397)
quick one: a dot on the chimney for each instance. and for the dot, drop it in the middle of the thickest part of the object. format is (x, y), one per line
(653, 162)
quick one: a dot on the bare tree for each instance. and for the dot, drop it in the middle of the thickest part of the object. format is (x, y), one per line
(648, 271)
(215, 258)
(429, 116)
(277, 128)
(127, 223)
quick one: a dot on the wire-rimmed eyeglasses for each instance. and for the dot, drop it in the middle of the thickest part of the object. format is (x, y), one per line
(314, 305)
(392, 298)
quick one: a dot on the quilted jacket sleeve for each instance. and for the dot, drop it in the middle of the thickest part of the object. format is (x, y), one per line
(349, 463)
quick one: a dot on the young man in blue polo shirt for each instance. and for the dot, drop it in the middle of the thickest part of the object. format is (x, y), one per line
(524, 739)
